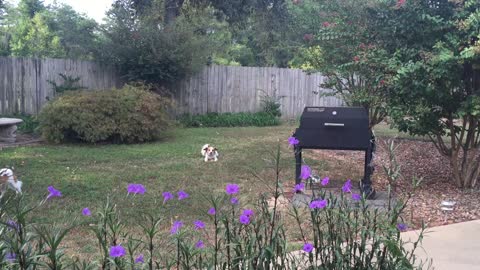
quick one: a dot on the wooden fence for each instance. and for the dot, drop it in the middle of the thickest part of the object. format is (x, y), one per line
(240, 89)
(24, 86)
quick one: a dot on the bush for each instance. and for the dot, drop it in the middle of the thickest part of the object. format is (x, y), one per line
(243, 119)
(29, 124)
(131, 114)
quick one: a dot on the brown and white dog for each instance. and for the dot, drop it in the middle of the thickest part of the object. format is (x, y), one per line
(8, 179)
(209, 153)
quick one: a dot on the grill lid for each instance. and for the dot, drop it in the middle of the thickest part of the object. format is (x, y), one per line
(343, 128)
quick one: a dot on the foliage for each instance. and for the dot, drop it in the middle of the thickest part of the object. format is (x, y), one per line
(145, 49)
(340, 44)
(130, 114)
(243, 119)
(343, 234)
(69, 83)
(436, 92)
(271, 104)
(34, 30)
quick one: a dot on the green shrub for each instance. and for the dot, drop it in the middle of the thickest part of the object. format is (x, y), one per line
(243, 119)
(271, 105)
(29, 124)
(131, 114)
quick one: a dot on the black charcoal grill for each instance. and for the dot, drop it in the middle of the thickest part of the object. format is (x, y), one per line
(336, 128)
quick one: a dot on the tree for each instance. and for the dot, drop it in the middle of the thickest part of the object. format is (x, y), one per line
(437, 85)
(35, 38)
(76, 32)
(28, 8)
(144, 48)
(342, 46)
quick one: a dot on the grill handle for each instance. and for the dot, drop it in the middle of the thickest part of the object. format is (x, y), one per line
(334, 124)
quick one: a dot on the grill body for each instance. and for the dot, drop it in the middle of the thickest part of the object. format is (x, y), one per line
(339, 128)
(336, 128)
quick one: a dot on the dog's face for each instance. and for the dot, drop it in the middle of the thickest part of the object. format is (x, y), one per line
(210, 151)
(6, 174)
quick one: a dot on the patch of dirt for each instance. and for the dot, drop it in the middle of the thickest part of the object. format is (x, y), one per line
(417, 158)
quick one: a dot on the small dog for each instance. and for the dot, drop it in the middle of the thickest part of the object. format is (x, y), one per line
(8, 179)
(209, 152)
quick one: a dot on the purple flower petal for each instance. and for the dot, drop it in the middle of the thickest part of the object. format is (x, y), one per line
(86, 212)
(248, 212)
(244, 219)
(292, 141)
(232, 189)
(10, 257)
(53, 192)
(211, 211)
(318, 204)
(356, 197)
(12, 225)
(306, 172)
(182, 195)
(307, 247)
(325, 181)
(234, 200)
(176, 227)
(136, 189)
(139, 259)
(347, 187)
(200, 244)
(117, 251)
(402, 227)
(167, 196)
(299, 187)
(199, 225)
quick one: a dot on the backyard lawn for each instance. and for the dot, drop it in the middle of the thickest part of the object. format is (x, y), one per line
(86, 175)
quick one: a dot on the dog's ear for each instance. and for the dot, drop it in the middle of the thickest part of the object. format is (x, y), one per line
(205, 149)
(215, 149)
(3, 179)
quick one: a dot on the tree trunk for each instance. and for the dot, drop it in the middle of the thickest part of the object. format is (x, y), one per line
(172, 10)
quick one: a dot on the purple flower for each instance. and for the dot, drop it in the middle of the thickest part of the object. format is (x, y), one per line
(200, 244)
(10, 257)
(139, 259)
(292, 141)
(248, 212)
(117, 251)
(182, 195)
(199, 224)
(318, 204)
(53, 192)
(299, 187)
(212, 211)
(86, 212)
(176, 227)
(136, 189)
(307, 247)
(12, 225)
(234, 200)
(305, 172)
(167, 196)
(325, 181)
(244, 219)
(347, 186)
(356, 197)
(232, 189)
(402, 227)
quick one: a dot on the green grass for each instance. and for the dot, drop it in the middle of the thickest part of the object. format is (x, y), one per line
(87, 174)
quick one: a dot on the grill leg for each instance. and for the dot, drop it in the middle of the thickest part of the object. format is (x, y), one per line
(298, 164)
(366, 183)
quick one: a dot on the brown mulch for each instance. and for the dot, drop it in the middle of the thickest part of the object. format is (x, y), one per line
(417, 158)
